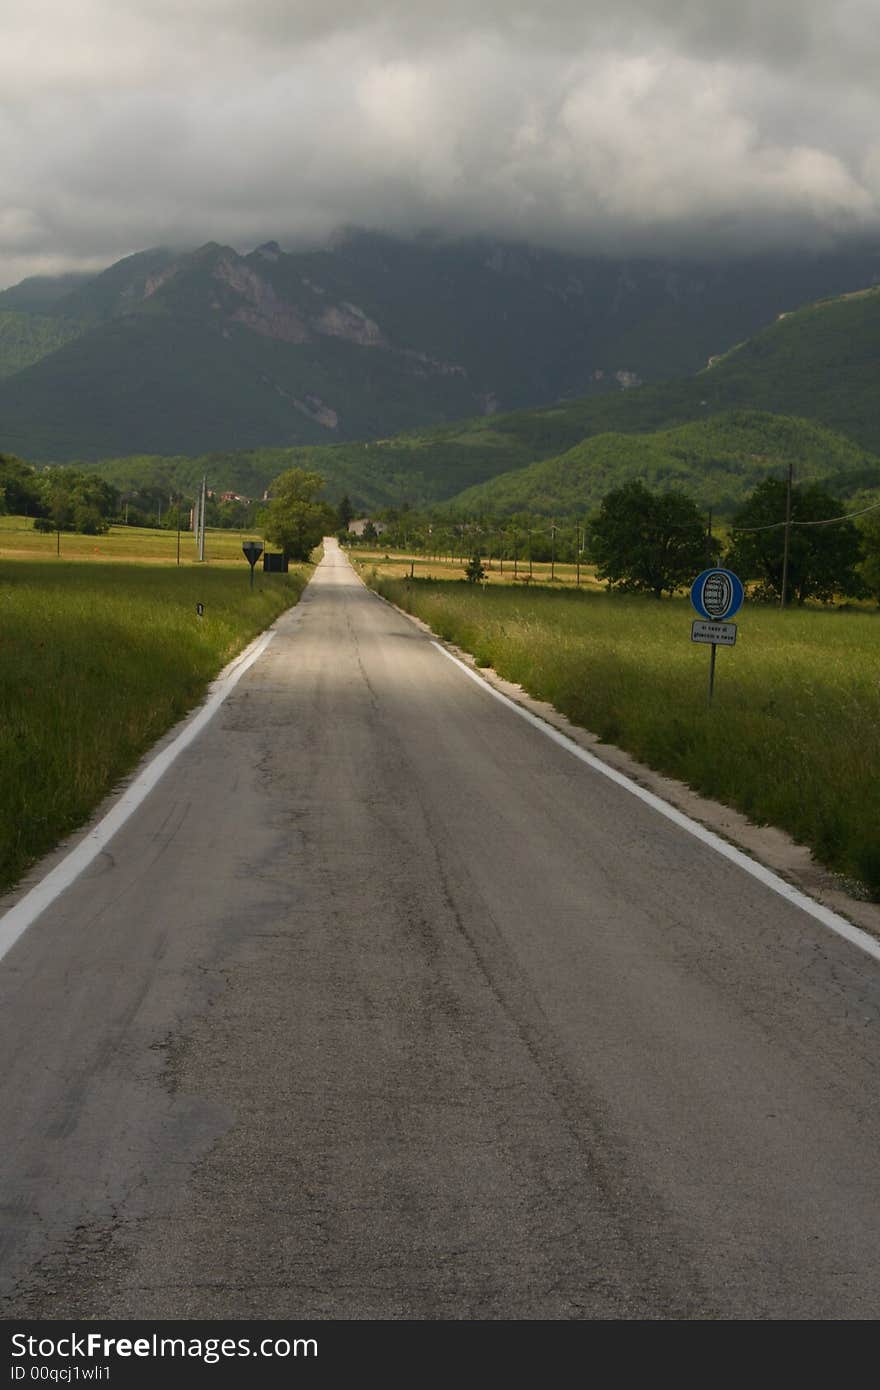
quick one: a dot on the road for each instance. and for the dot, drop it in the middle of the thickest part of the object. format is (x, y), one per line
(383, 1005)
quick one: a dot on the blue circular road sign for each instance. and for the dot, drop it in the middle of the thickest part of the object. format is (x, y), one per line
(717, 594)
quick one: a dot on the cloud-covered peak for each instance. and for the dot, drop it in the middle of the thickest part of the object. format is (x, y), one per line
(656, 124)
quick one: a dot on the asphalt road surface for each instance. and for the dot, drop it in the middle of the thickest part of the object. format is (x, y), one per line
(385, 1006)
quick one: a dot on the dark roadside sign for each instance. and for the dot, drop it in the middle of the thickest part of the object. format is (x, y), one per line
(252, 552)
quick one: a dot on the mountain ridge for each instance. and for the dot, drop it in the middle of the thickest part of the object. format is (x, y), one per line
(188, 352)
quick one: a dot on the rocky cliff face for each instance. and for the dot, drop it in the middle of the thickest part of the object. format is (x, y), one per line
(370, 335)
(260, 308)
(349, 322)
(233, 292)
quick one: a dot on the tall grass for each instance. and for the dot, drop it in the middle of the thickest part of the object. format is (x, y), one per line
(96, 662)
(792, 737)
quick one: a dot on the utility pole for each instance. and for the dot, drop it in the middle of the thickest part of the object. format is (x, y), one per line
(203, 518)
(577, 551)
(552, 551)
(178, 529)
(709, 538)
(782, 596)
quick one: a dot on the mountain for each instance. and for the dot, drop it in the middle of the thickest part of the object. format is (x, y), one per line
(168, 353)
(820, 362)
(118, 291)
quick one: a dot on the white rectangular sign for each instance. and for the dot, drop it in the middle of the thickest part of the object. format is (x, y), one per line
(722, 634)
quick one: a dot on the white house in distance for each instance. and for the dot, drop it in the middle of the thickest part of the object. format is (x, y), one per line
(357, 527)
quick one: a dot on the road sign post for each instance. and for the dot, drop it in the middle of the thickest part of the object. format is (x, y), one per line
(717, 595)
(252, 552)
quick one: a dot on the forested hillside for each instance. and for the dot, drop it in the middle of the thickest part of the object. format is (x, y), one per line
(26, 338)
(718, 461)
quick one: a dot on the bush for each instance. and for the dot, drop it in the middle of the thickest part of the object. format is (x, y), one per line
(474, 570)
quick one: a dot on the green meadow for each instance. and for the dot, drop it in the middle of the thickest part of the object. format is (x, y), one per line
(131, 544)
(98, 658)
(791, 738)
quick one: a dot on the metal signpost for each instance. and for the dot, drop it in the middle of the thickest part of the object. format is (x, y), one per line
(252, 552)
(716, 595)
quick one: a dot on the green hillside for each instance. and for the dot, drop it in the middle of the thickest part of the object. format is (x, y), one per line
(718, 460)
(415, 470)
(821, 362)
(25, 338)
(159, 386)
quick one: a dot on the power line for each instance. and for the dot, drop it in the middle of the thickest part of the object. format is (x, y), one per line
(829, 521)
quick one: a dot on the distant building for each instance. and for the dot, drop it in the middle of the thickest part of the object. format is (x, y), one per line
(359, 526)
(234, 497)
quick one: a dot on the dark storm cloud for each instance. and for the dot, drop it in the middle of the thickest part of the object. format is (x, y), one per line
(672, 124)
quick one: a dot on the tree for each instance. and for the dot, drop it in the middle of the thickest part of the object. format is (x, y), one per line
(649, 543)
(344, 513)
(19, 488)
(474, 570)
(296, 520)
(869, 569)
(76, 501)
(58, 501)
(822, 560)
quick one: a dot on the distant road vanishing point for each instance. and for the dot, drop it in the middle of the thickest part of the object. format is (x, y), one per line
(384, 1005)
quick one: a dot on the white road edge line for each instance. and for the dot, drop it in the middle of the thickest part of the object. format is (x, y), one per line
(15, 922)
(829, 919)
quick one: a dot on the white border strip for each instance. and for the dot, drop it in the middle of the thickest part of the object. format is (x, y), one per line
(829, 919)
(16, 921)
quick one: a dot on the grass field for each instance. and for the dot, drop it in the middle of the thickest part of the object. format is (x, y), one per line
(792, 737)
(520, 573)
(130, 544)
(97, 660)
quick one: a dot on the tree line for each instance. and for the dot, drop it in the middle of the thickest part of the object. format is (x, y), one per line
(639, 541)
(72, 499)
(656, 543)
(68, 499)
(801, 541)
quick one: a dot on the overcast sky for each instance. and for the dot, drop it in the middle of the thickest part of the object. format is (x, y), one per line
(669, 124)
